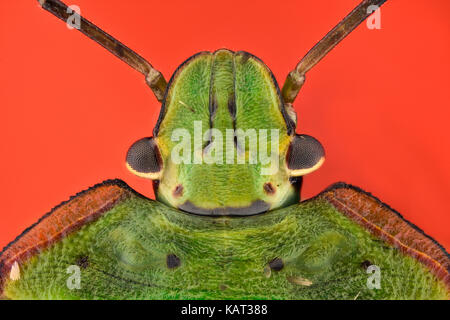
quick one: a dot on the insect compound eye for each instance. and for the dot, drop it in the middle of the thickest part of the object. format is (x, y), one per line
(143, 159)
(305, 155)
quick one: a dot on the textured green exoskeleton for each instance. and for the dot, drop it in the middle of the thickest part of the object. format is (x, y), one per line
(227, 223)
(233, 93)
(142, 249)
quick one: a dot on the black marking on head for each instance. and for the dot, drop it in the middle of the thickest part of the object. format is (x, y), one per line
(235, 140)
(276, 264)
(83, 262)
(178, 191)
(212, 105)
(212, 113)
(155, 184)
(245, 56)
(365, 264)
(269, 188)
(212, 109)
(290, 117)
(304, 152)
(143, 156)
(206, 146)
(296, 183)
(172, 261)
(256, 207)
(232, 107)
(296, 180)
(290, 125)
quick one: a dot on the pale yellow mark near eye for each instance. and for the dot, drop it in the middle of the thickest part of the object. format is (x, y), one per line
(302, 172)
(300, 281)
(184, 104)
(148, 175)
(14, 274)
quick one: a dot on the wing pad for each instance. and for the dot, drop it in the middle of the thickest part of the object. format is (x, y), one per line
(387, 224)
(67, 218)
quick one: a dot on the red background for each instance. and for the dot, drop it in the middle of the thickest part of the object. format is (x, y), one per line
(379, 102)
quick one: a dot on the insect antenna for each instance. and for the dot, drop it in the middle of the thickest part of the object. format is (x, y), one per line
(153, 77)
(296, 77)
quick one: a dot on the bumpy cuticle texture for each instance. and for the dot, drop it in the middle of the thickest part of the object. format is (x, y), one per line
(131, 247)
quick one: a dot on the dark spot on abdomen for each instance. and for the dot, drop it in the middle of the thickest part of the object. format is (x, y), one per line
(83, 262)
(172, 261)
(276, 264)
(365, 264)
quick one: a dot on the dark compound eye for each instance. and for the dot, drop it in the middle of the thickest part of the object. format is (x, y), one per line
(143, 158)
(305, 155)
